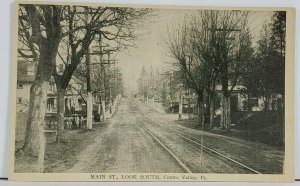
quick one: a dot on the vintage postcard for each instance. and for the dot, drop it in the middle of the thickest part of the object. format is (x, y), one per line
(107, 92)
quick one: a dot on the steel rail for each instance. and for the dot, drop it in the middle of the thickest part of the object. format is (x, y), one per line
(166, 148)
(183, 135)
(182, 165)
(209, 149)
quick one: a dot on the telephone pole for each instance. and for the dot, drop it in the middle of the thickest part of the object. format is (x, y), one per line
(170, 76)
(225, 99)
(89, 121)
(106, 77)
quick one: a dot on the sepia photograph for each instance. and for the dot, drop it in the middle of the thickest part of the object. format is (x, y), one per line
(108, 92)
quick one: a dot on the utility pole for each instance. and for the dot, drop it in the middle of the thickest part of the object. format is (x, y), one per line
(108, 62)
(164, 94)
(109, 83)
(189, 102)
(225, 99)
(114, 80)
(180, 104)
(169, 76)
(102, 92)
(103, 73)
(89, 121)
(171, 91)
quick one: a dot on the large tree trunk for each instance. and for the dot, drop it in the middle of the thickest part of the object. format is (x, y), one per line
(89, 121)
(47, 49)
(225, 112)
(222, 112)
(110, 105)
(267, 103)
(35, 139)
(180, 108)
(60, 115)
(211, 111)
(201, 109)
(103, 109)
(99, 111)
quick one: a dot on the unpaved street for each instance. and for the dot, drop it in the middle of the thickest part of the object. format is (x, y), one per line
(123, 146)
(139, 140)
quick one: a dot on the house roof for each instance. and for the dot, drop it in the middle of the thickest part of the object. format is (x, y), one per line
(77, 79)
(24, 76)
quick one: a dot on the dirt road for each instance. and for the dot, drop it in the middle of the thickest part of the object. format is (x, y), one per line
(123, 146)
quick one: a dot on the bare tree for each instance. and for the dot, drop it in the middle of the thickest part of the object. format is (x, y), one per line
(112, 23)
(223, 43)
(41, 30)
(209, 48)
(179, 42)
(230, 29)
(39, 36)
(203, 42)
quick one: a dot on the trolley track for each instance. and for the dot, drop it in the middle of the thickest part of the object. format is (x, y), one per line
(134, 106)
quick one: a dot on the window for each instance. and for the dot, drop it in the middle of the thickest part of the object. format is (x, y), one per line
(30, 70)
(69, 88)
(19, 100)
(19, 85)
(253, 102)
(52, 88)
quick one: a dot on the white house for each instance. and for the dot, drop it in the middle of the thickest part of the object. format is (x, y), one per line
(25, 78)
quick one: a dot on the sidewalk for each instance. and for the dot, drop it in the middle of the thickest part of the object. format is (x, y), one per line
(114, 107)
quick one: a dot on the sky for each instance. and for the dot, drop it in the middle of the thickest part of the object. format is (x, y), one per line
(151, 50)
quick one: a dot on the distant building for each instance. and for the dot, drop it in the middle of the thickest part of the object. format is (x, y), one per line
(239, 100)
(73, 100)
(25, 78)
